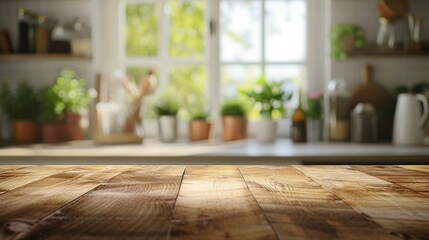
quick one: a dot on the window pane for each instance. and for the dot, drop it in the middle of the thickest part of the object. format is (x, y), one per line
(240, 30)
(142, 29)
(285, 29)
(136, 73)
(292, 75)
(235, 75)
(188, 29)
(190, 84)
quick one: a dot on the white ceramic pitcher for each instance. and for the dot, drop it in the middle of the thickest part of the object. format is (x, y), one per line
(408, 122)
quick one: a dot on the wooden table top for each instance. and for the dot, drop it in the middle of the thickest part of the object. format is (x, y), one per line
(214, 202)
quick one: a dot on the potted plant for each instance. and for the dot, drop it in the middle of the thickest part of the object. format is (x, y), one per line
(268, 99)
(234, 120)
(52, 113)
(76, 98)
(22, 108)
(167, 109)
(199, 126)
(346, 38)
(314, 113)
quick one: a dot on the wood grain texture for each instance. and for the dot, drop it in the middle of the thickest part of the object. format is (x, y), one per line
(299, 208)
(25, 206)
(18, 177)
(378, 199)
(136, 204)
(417, 181)
(215, 203)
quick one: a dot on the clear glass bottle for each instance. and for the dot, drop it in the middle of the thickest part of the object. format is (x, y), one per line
(339, 110)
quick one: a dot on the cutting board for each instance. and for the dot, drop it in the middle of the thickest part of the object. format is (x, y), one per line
(369, 91)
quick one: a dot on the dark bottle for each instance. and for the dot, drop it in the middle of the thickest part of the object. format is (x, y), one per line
(299, 123)
(26, 31)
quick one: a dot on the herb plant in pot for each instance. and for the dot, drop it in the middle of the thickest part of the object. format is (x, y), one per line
(22, 109)
(199, 126)
(267, 98)
(314, 113)
(76, 98)
(234, 121)
(52, 112)
(167, 109)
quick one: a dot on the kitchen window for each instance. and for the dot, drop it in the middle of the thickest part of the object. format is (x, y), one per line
(205, 49)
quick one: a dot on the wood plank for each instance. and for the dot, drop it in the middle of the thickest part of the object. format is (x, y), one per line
(295, 209)
(215, 203)
(6, 168)
(136, 204)
(25, 206)
(376, 198)
(422, 168)
(16, 178)
(414, 180)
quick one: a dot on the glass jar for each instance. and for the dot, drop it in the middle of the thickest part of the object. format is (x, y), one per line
(339, 110)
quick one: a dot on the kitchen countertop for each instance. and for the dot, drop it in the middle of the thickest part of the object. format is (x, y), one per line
(214, 202)
(282, 152)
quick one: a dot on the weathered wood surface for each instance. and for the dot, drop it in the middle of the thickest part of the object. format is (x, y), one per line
(378, 199)
(136, 204)
(214, 202)
(25, 206)
(17, 177)
(299, 208)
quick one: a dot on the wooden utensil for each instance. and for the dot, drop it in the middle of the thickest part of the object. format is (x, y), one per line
(369, 91)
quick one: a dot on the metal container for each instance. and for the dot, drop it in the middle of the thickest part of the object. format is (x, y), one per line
(364, 123)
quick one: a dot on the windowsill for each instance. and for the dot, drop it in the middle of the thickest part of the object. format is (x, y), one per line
(282, 152)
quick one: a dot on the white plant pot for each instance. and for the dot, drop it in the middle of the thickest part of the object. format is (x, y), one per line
(167, 127)
(266, 131)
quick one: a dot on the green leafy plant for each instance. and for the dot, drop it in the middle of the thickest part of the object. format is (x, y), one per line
(337, 44)
(268, 97)
(166, 106)
(314, 109)
(200, 115)
(21, 104)
(73, 91)
(233, 107)
(52, 106)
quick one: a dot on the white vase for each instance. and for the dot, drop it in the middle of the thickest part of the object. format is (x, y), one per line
(314, 130)
(167, 127)
(266, 131)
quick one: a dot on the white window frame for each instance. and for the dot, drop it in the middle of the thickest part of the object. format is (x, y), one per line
(317, 59)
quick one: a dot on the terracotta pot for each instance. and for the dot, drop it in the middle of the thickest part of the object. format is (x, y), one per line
(24, 131)
(53, 132)
(199, 130)
(234, 128)
(75, 125)
(348, 43)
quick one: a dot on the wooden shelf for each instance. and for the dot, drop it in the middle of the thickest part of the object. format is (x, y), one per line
(5, 58)
(375, 51)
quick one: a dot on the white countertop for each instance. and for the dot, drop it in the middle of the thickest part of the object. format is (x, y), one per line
(283, 151)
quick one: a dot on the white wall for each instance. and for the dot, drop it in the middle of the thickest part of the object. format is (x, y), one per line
(389, 71)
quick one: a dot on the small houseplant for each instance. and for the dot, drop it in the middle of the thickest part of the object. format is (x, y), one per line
(52, 113)
(268, 99)
(199, 126)
(22, 108)
(76, 97)
(314, 113)
(167, 109)
(234, 120)
(346, 38)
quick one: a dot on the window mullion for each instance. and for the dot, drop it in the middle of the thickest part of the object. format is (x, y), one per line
(164, 22)
(263, 36)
